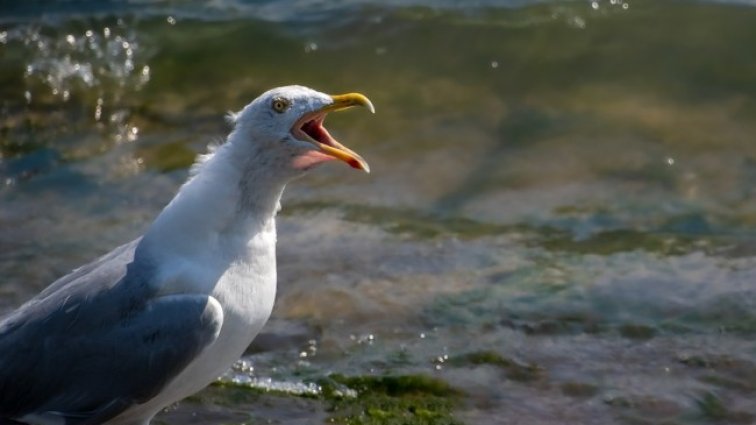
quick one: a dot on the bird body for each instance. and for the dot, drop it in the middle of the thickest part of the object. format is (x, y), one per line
(159, 318)
(235, 267)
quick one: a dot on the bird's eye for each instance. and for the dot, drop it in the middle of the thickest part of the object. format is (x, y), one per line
(280, 104)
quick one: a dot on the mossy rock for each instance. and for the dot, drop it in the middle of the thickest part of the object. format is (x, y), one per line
(391, 400)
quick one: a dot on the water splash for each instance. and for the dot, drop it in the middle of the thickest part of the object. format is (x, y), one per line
(242, 374)
(99, 67)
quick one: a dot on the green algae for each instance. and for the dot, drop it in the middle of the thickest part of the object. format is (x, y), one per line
(355, 400)
(391, 400)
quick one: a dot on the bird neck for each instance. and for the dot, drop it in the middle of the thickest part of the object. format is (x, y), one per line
(223, 206)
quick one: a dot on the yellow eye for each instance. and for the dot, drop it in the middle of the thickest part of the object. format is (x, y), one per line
(280, 104)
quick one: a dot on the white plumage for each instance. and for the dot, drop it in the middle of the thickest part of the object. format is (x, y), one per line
(177, 307)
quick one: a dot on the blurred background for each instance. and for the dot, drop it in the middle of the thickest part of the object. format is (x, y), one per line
(558, 228)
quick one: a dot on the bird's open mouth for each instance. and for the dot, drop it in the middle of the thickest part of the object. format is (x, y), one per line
(310, 128)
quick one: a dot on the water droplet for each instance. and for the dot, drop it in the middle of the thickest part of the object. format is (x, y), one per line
(578, 22)
(171, 20)
(132, 134)
(311, 47)
(70, 39)
(145, 75)
(595, 5)
(670, 161)
(625, 6)
(494, 64)
(106, 32)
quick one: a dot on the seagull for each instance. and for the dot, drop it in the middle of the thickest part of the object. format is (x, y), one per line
(159, 318)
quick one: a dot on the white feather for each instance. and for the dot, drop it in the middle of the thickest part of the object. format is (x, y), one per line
(217, 237)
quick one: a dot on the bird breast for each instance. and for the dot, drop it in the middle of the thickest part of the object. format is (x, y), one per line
(246, 292)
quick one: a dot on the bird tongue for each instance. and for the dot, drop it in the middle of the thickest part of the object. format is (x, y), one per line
(310, 128)
(316, 130)
(334, 150)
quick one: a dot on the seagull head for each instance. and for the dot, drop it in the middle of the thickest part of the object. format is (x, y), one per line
(285, 128)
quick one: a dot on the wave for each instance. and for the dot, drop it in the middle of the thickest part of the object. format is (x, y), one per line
(280, 11)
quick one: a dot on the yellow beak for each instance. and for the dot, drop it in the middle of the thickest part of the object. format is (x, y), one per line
(310, 126)
(344, 101)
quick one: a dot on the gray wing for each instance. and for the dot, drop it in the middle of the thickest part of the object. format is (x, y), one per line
(98, 341)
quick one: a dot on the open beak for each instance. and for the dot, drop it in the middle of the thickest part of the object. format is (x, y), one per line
(310, 128)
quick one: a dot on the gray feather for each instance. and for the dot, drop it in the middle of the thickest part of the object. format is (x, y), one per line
(98, 341)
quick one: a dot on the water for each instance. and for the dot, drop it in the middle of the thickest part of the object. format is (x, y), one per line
(567, 185)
